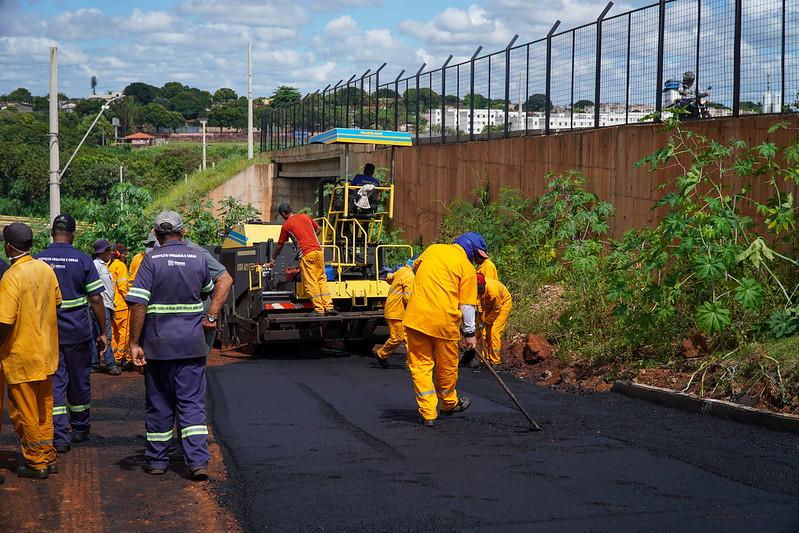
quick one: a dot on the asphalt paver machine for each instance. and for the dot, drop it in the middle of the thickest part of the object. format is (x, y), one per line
(269, 305)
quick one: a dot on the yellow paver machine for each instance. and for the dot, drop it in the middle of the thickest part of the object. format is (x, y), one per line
(271, 306)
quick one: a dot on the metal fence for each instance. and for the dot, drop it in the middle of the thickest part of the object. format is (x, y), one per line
(747, 50)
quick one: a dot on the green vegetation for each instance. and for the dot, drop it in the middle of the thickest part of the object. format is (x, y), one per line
(200, 182)
(111, 188)
(719, 268)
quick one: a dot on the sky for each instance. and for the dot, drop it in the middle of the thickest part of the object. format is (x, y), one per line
(302, 43)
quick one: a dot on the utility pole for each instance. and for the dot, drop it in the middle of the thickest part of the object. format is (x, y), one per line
(55, 191)
(204, 122)
(249, 104)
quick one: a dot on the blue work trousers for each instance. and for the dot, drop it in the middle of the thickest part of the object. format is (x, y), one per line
(176, 388)
(108, 356)
(72, 392)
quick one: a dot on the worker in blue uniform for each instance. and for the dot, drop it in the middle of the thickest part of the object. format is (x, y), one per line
(167, 338)
(81, 287)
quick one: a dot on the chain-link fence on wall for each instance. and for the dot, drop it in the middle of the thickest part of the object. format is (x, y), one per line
(609, 72)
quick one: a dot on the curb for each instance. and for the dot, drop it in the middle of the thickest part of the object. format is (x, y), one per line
(718, 408)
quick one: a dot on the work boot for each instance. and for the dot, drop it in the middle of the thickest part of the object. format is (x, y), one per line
(52, 469)
(33, 473)
(80, 436)
(331, 312)
(114, 370)
(380, 361)
(154, 471)
(463, 404)
(95, 369)
(315, 314)
(199, 474)
(127, 366)
(62, 448)
(429, 422)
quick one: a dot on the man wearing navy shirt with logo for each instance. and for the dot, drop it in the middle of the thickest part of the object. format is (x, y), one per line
(80, 287)
(167, 321)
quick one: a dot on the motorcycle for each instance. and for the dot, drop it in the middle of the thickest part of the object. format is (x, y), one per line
(679, 95)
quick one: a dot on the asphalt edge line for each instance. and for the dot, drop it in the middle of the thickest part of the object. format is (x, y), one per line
(218, 415)
(707, 406)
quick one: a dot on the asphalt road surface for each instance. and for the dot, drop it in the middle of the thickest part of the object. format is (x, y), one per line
(334, 444)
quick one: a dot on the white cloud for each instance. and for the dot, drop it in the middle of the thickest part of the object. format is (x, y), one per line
(457, 27)
(282, 13)
(334, 5)
(150, 22)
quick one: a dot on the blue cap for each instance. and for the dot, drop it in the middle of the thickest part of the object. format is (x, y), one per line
(472, 243)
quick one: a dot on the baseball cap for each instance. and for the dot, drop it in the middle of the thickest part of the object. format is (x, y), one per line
(64, 223)
(149, 241)
(18, 235)
(101, 245)
(168, 221)
(482, 253)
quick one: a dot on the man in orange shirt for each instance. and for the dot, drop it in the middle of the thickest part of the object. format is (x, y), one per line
(302, 229)
(29, 297)
(120, 325)
(441, 309)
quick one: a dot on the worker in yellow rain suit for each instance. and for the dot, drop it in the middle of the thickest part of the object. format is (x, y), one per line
(398, 296)
(486, 267)
(495, 305)
(120, 325)
(135, 263)
(444, 299)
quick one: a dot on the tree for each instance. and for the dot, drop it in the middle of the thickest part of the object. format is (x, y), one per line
(158, 116)
(581, 105)
(285, 96)
(497, 104)
(187, 103)
(172, 88)
(451, 100)
(94, 84)
(751, 107)
(386, 93)
(142, 93)
(88, 107)
(537, 103)
(480, 101)
(428, 98)
(20, 95)
(224, 95)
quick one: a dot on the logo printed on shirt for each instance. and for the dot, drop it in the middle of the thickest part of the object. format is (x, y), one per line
(173, 263)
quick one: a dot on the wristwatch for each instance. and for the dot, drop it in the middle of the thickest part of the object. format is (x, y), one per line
(211, 318)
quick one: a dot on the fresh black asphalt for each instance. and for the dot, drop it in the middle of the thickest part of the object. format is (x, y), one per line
(333, 444)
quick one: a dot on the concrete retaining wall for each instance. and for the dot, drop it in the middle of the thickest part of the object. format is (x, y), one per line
(254, 186)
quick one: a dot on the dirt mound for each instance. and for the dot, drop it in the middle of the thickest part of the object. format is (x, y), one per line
(534, 358)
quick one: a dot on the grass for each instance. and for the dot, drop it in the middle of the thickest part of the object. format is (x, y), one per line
(201, 182)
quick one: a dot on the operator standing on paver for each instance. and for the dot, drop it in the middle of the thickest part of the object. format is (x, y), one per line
(29, 297)
(80, 287)
(399, 294)
(441, 309)
(302, 230)
(167, 336)
(121, 322)
(496, 304)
